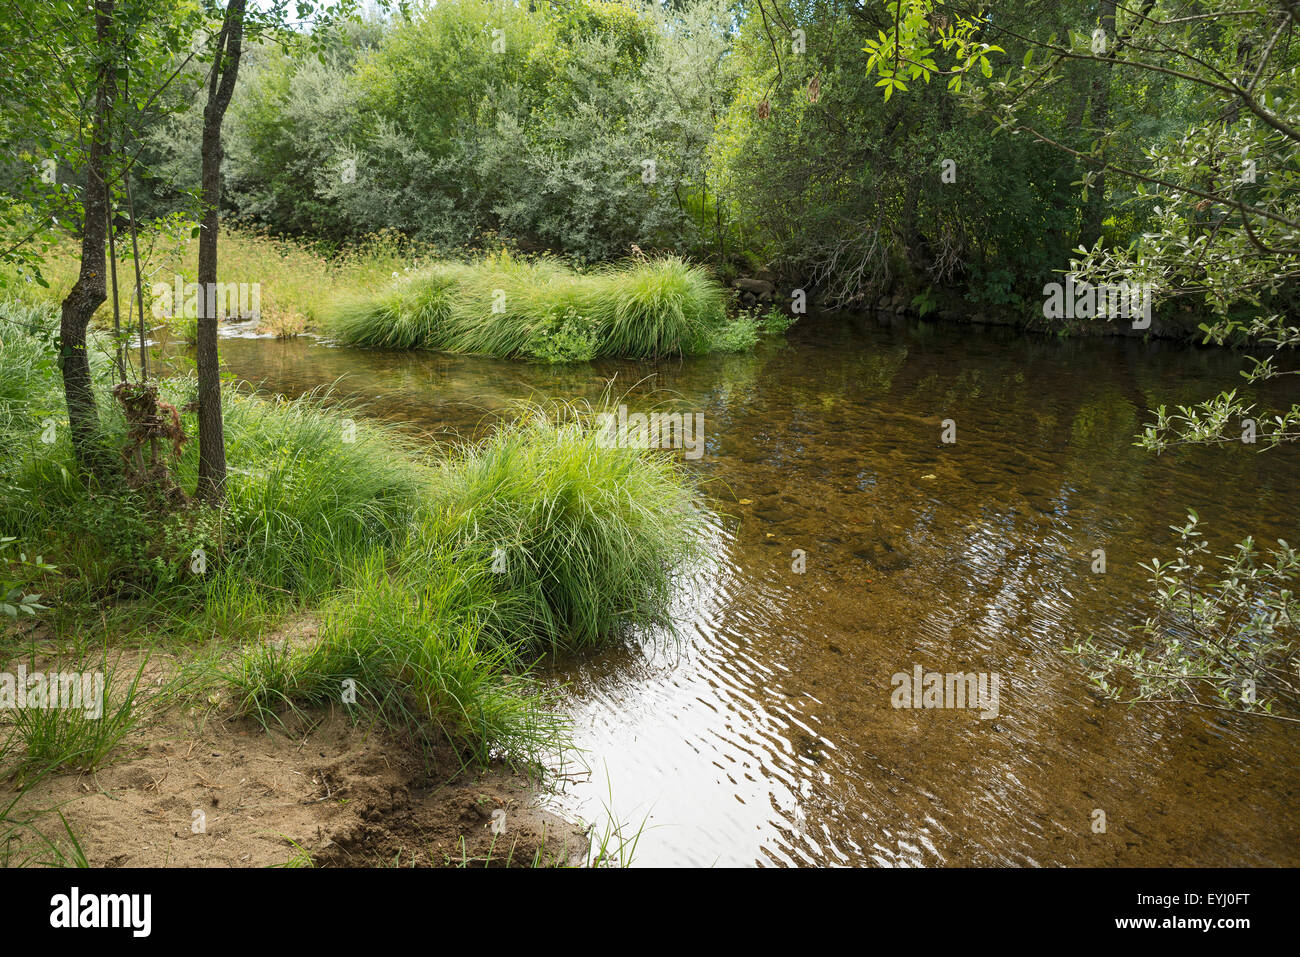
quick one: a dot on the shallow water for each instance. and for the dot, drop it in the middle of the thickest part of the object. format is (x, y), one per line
(763, 732)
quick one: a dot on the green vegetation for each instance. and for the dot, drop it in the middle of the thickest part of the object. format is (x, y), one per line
(504, 306)
(397, 554)
(413, 653)
(1223, 636)
(578, 532)
(481, 177)
(80, 738)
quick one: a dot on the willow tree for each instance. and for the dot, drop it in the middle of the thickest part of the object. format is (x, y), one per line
(1217, 196)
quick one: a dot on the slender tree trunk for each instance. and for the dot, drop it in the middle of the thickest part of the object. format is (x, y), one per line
(118, 346)
(89, 292)
(212, 439)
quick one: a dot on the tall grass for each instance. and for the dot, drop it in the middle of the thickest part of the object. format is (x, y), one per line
(439, 583)
(539, 539)
(388, 293)
(294, 276)
(508, 307)
(409, 654)
(311, 491)
(406, 315)
(657, 308)
(581, 536)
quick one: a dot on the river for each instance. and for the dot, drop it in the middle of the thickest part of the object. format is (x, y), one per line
(847, 543)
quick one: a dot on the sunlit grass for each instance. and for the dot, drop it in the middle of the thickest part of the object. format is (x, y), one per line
(581, 535)
(507, 307)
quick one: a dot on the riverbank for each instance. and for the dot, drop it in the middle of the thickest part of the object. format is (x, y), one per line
(388, 292)
(434, 583)
(1175, 321)
(391, 292)
(199, 784)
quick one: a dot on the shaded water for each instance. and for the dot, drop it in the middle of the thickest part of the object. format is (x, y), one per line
(764, 733)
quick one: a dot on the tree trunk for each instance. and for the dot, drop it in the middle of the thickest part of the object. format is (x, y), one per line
(212, 439)
(89, 292)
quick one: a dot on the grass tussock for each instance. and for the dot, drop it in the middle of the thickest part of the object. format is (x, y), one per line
(411, 654)
(579, 535)
(509, 307)
(81, 738)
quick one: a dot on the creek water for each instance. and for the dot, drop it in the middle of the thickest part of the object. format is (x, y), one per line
(764, 732)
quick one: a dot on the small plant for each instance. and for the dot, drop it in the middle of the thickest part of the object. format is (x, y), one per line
(1229, 634)
(15, 573)
(924, 303)
(570, 337)
(81, 737)
(300, 858)
(281, 321)
(775, 322)
(24, 841)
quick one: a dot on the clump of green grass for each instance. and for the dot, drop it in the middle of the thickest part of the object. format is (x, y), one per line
(501, 303)
(79, 738)
(581, 535)
(540, 538)
(411, 655)
(509, 307)
(410, 314)
(658, 307)
(311, 491)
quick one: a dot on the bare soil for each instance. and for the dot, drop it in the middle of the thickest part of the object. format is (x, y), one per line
(198, 786)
